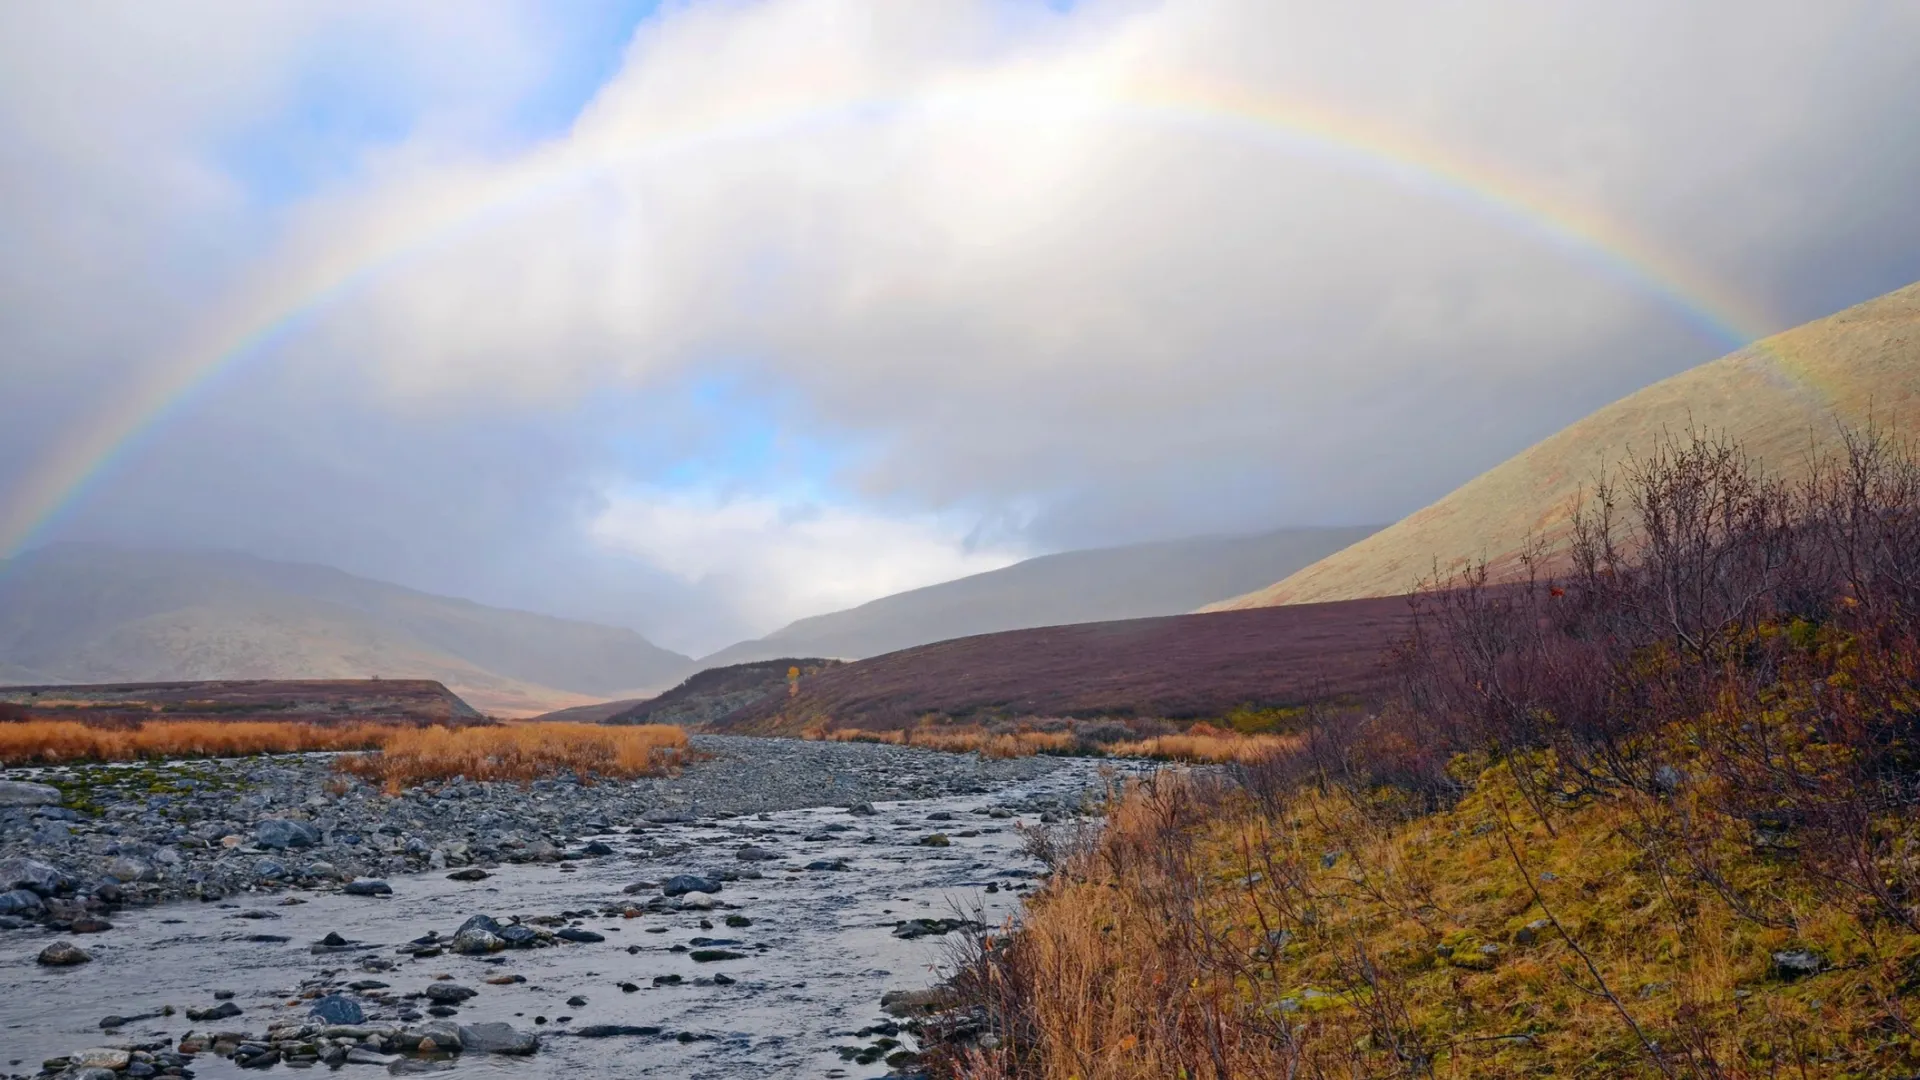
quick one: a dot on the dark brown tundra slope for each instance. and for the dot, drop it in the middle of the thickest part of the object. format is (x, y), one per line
(394, 701)
(716, 693)
(1174, 667)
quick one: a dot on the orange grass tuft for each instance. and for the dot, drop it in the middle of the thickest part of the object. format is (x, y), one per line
(47, 742)
(520, 752)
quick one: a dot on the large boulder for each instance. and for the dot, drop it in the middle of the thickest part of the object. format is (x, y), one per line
(21, 902)
(282, 833)
(42, 878)
(22, 793)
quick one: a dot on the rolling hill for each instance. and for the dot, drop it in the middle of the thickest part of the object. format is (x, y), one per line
(1778, 398)
(1096, 585)
(1173, 667)
(82, 613)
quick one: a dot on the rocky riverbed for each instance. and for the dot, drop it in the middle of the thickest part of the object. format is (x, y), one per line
(742, 919)
(209, 829)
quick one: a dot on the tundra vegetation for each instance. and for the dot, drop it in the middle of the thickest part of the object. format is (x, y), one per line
(1649, 810)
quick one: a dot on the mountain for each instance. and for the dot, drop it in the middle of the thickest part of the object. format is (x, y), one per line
(1097, 585)
(1777, 398)
(92, 613)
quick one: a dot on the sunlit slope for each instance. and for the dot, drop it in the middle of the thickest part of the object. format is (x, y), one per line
(1779, 398)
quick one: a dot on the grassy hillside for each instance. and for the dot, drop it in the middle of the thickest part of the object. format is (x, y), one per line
(1656, 818)
(85, 613)
(1177, 666)
(1776, 398)
(1101, 585)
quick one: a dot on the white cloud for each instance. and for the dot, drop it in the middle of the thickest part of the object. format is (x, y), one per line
(776, 560)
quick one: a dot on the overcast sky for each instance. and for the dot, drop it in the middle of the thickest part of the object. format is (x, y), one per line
(706, 315)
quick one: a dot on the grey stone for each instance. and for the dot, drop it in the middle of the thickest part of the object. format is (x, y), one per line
(63, 954)
(337, 1009)
(367, 887)
(681, 884)
(283, 833)
(475, 941)
(21, 902)
(23, 793)
(448, 993)
(497, 1039)
(43, 878)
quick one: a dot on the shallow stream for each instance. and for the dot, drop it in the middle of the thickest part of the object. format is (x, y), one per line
(818, 954)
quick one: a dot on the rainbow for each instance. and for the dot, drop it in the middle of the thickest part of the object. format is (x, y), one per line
(270, 313)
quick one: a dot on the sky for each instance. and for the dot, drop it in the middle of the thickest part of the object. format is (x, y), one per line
(705, 315)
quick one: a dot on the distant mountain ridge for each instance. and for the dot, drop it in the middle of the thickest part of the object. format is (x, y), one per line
(1095, 585)
(1777, 398)
(93, 613)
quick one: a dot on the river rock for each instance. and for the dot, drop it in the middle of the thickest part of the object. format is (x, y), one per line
(100, 1057)
(283, 833)
(22, 793)
(63, 954)
(478, 922)
(21, 902)
(43, 878)
(698, 901)
(497, 1039)
(519, 937)
(583, 937)
(337, 1009)
(471, 873)
(475, 940)
(127, 869)
(754, 853)
(448, 993)
(367, 887)
(681, 884)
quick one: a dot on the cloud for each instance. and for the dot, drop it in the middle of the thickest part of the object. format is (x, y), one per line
(776, 560)
(1045, 275)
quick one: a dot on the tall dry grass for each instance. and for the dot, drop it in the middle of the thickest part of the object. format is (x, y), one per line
(988, 744)
(48, 742)
(1201, 744)
(1204, 743)
(519, 752)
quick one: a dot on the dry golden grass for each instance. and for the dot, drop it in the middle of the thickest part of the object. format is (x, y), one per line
(1208, 937)
(44, 742)
(1202, 743)
(968, 740)
(520, 752)
(1207, 744)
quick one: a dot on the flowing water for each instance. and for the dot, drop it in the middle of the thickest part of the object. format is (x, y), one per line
(820, 950)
